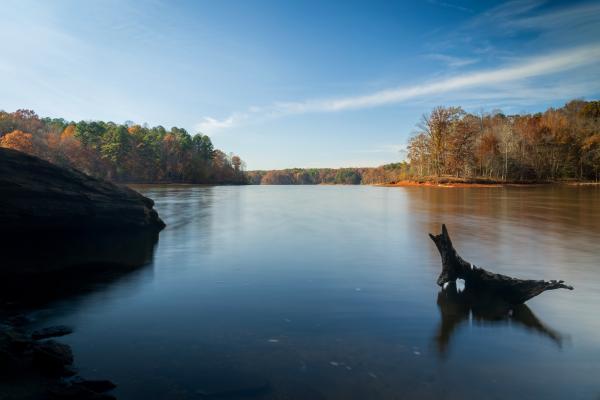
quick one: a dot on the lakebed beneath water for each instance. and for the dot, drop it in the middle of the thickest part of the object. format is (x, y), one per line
(328, 292)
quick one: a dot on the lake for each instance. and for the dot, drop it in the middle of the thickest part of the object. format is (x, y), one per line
(329, 292)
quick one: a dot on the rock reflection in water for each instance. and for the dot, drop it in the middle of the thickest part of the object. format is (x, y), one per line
(459, 306)
(37, 270)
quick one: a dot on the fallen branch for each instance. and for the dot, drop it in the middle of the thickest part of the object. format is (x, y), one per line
(512, 290)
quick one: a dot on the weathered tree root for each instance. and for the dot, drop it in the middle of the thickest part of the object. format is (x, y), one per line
(512, 290)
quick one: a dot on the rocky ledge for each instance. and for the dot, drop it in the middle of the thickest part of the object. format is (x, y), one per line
(32, 366)
(37, 196)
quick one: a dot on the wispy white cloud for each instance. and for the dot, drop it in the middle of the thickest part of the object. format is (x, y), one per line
(451, 5)
(514, 97)
(575, 16)
(49, 68)
(509, 10)
(533, 67)
(452, 61)
(531, 24)
(210, 124)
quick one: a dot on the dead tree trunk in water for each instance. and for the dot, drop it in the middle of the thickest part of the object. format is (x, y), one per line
(514, 291)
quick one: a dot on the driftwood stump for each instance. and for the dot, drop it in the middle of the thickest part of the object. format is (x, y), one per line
(512, 290)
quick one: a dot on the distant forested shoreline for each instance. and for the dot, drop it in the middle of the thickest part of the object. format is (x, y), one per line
(451, 144)
(448, 144)
(121, 152)
(331, 176)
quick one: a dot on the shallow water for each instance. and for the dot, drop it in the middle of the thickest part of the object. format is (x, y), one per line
(328, 292)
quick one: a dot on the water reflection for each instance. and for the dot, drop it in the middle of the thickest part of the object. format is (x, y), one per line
(67, 265)
(458, 307)
(327, 292)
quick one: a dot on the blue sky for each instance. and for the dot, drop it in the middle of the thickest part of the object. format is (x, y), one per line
(295, 84)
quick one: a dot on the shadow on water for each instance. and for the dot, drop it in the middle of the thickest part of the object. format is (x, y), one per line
(38, 270)
(458, 307)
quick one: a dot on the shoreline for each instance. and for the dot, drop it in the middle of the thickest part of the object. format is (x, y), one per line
(476, 183)
(403, 183)
(36, 366)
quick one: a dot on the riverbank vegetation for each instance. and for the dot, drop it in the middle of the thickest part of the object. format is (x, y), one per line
(120, 152)
(330, 176)
(558, 144)
(451, 146)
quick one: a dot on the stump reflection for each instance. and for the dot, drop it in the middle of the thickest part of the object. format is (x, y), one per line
(458, 307)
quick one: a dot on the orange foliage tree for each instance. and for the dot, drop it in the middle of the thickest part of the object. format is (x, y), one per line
(121, 152)
(18, 140)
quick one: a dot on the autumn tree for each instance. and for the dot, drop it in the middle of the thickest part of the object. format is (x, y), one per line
(18, 140)
(460, 144)
(418, 153)
(439, 127)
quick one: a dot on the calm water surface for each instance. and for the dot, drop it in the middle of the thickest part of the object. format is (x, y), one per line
(328, 292)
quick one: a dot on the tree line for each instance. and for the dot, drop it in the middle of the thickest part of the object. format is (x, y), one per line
(560, 143)
(121, 152)
(330, 176)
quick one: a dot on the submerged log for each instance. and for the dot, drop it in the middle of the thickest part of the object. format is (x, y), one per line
(512, 290)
